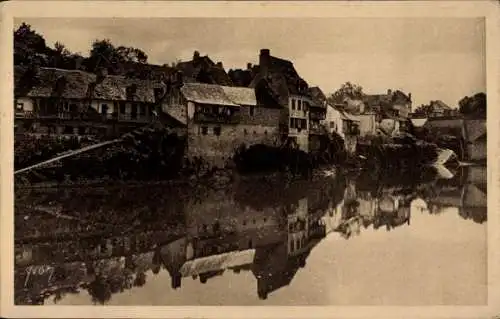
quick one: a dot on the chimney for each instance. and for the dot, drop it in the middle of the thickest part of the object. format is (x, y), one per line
(196, 55)
(249, 66)
(389, 92)
(264, 60)
(409, 96)
(219, 64)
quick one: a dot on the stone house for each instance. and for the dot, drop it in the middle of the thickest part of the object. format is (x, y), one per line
(219, 119)
(74, 102)
(276, 80)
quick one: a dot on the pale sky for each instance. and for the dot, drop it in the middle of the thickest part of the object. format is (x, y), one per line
(433, 58)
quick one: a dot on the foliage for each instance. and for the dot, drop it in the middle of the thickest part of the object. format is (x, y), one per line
(347, 90)
(474, 105)
(424, 109)
(30, 48)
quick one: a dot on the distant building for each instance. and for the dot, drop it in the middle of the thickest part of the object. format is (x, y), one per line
(440, 109)
(393, 103)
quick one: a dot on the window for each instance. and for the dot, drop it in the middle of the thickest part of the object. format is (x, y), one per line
(265, 132)
(204, 130)
(299, 105)
(73, 107)
(104, 108)
(254, 133)
(122, 107)
(20, 106)
(245, 131)
(217, 131)
(142, 109)
(252, 111)
(293, 104)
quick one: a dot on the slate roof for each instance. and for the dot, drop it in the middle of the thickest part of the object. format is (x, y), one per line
(206, 94)
(75, 84)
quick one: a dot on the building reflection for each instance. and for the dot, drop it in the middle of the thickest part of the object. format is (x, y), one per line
(268, 229)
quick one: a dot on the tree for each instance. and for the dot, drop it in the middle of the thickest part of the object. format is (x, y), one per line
(347, 90)
(27, 44)
(130, 54)
(61, 49)
(424, 109)
(474, 105)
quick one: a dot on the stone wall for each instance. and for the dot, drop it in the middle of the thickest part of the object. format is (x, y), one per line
(261, 128)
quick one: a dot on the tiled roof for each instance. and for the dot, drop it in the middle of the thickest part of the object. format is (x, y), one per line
(241, 95)
(206, 94)
(76, 83)
(75, 87)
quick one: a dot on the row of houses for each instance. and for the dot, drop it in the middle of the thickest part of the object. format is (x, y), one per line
(268, 103)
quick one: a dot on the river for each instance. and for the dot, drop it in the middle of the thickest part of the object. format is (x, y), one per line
(356, 239)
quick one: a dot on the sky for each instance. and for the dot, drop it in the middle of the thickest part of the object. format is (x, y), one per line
(432, 58)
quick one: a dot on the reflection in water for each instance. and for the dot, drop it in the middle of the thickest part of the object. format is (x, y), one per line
(106, 241)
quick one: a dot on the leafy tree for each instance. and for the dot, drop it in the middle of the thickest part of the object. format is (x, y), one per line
(347, 90)
(130, 54)
(424, 109)
(61, 49)
(474, 105)
(27, 44)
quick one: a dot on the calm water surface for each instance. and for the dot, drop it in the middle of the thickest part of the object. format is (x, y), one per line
(348, 240)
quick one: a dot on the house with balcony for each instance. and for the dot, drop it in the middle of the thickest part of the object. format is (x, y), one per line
(75, 103)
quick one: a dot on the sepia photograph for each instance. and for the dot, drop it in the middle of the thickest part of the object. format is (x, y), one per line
(249, 161)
